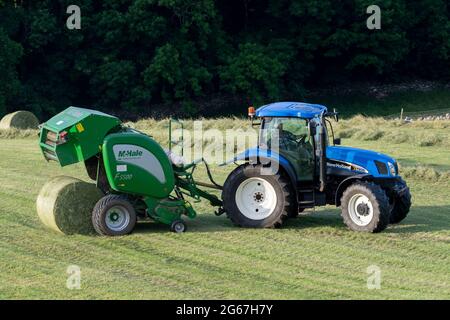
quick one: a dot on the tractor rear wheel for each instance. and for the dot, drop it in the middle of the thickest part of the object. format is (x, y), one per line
(254, 200)
(113, 215)
(365, 207)
(294, 213)
(401, 207)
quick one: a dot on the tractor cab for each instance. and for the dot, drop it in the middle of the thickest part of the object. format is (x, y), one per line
(299, 164)
(299, 134)
(292, 130)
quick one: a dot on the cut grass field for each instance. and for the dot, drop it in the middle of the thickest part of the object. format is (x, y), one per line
(312, 257)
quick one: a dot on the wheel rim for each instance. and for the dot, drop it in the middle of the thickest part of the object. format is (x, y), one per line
(360, 209)
(179, 227)
(117, 218)
(256, 198)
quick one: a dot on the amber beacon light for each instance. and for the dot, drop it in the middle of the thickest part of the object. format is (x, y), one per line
(251, 112)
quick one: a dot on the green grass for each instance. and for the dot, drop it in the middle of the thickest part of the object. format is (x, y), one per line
(312, 257)
(421, 143)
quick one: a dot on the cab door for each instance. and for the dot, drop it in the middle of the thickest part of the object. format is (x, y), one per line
(291, 138)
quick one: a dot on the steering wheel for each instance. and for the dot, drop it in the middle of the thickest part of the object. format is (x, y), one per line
(289, 136)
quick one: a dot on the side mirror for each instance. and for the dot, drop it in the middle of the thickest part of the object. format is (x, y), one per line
(337, 141)
(312, 129)
(336, 115)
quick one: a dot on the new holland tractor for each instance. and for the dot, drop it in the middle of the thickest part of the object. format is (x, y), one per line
(296, 165)
(299, 164)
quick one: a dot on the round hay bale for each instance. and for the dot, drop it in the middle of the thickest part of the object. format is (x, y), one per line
(19, 120)
(65, 204)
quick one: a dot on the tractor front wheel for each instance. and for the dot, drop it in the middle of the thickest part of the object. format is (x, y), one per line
(254, 200)
(401, 207)
(365, 207)
(113, 215)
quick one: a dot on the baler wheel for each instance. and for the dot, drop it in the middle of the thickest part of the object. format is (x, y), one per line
(178, 226)
(113, 215)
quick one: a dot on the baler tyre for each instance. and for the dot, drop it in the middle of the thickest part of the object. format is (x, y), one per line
(401, 207)
(113, 215)
(178, 226)
(254, 200)
(365, 207)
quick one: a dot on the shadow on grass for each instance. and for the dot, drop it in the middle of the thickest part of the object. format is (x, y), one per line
(423, 219)
(420, 219)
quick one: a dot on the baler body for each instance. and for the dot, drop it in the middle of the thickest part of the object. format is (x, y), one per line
(127, 165)
(136, 164)
(75, 135)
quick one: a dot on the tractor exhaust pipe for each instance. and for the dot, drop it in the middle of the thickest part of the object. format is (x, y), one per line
(322, 158)
(318, 131)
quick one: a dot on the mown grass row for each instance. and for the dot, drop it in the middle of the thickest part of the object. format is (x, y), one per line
(424, 133)
(430, 138)
(418, 133)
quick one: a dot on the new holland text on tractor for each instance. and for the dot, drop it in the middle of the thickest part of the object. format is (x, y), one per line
(296, 165)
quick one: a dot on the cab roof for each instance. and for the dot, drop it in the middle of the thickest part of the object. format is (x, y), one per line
(291, 109)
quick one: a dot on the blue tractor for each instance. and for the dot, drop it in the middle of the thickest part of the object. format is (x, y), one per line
(299, 164)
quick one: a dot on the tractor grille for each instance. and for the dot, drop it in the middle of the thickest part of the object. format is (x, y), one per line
(381, 167)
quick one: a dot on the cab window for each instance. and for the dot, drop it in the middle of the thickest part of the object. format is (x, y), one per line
(290, 131)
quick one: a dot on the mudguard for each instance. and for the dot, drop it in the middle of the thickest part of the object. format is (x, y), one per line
(137, 164)
(264, 156)
(345, 183)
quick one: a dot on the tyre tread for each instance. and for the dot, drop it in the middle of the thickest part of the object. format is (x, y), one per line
(97, 213)
(228, 198)
(381, 205)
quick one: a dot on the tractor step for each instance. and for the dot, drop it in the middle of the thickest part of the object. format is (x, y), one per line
(306, 204)
(307, 197)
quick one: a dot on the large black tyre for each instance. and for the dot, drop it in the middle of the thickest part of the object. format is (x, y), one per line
(254, 200)
(294, 211)
(113, 215)
(365, 207)
(401, 207)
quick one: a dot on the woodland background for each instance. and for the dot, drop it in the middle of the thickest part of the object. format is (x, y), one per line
(136, 56)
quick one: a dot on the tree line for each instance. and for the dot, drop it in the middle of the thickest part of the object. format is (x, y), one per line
(132, 54)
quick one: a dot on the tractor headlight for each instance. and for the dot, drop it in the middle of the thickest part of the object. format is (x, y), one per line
(392, 169)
